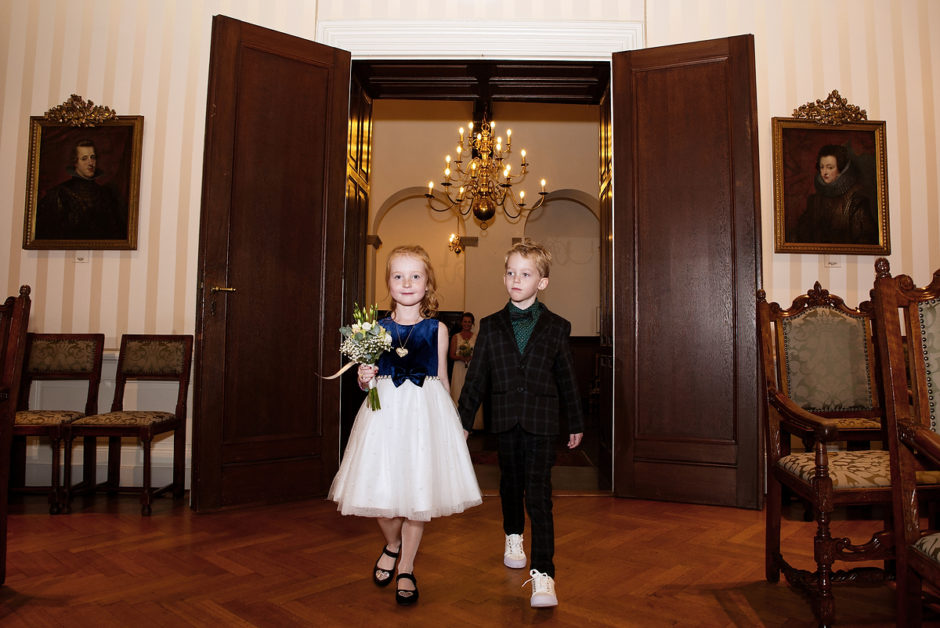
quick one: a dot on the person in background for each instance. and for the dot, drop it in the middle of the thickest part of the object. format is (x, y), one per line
(461, 351)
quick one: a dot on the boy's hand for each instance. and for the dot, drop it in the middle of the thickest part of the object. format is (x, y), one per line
(574, 440)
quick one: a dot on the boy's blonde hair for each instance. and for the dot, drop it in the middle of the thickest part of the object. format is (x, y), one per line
(430, 302)
(530, 249)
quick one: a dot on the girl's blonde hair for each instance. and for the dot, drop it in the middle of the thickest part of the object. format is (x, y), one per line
(430, 302)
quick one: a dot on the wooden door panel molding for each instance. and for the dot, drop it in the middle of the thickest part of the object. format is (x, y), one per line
(675, 450)
(686, 202)
(272, 227)
(692, 483)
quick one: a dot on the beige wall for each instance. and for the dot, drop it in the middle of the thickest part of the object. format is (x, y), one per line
(150, 58)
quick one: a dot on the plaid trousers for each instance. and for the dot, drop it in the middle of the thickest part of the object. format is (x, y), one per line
(525, 466)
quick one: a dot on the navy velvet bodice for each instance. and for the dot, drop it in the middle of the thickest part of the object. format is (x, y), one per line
(420, 340)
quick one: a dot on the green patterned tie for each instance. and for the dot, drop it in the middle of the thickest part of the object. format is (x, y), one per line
(523, 322)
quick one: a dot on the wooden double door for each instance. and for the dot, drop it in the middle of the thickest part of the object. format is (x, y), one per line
(281, 253)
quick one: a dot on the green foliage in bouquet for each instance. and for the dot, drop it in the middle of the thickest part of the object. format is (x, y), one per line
(364, 342)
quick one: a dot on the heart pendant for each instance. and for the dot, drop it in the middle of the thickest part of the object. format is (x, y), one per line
(401, 351)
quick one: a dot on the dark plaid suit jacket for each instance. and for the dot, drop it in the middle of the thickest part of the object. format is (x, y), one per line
(534, 388)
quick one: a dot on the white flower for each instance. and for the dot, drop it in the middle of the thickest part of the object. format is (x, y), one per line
(366, 326)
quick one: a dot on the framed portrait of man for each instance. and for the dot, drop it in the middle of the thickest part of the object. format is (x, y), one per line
(83, 184)
(830, 188)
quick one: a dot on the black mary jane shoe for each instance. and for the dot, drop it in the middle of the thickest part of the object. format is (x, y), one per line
(406, 597)
(387, 573)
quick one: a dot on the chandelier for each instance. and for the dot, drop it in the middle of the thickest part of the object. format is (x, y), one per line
(486, 181)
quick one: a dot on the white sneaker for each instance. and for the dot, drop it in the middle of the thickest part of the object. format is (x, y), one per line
(514, 555)
(543, 589)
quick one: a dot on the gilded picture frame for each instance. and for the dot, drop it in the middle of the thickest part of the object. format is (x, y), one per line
(83, 184)
(847, 216)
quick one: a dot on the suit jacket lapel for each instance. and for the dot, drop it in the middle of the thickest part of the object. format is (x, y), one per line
(508, 335)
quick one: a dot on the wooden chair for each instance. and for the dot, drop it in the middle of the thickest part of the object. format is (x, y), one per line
(142, 358)
(911, 372)
(820, 386)
(51, 357)
(14, 318)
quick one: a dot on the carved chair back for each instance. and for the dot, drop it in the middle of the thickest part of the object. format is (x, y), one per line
(911, 371)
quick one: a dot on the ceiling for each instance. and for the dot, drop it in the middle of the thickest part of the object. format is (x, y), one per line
(570, 82)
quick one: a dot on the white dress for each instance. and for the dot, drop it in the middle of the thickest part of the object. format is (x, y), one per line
(409, 458)
(459, 376)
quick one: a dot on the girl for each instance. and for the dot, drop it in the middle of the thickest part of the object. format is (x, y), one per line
(408, 461)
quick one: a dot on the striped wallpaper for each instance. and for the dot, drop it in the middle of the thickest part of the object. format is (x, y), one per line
(150, 58)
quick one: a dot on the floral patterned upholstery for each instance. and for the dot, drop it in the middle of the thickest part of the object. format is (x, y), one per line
(827, 361)
(929, 313)
(848, 469)
(61, 355)
(154, 357)
(46, 417)
(124, 417)
(929, 546)
(851, 469)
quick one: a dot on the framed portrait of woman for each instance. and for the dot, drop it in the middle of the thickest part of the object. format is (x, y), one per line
(830, 188)
(83, 184)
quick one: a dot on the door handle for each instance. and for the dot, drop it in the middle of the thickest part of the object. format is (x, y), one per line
(215, 289)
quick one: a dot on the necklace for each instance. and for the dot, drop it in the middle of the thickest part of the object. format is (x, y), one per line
(401, 350)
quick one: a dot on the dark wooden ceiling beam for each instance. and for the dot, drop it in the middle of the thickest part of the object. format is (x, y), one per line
(485, 81)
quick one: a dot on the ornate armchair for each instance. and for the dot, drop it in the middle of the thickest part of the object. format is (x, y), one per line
(14, 317)
(820, 387)
(49, 357)
(911, 373)
(142, 358)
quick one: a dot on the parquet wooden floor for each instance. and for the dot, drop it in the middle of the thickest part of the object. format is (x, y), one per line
(619, 562)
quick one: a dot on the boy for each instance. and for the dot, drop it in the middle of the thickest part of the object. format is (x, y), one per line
(523, 359)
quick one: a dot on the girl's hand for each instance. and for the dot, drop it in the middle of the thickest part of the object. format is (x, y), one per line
(366, 373)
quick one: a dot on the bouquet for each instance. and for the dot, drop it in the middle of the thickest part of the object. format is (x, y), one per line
(363, 343)
(465, 350)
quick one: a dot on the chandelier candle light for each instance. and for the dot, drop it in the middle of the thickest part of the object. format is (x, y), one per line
(486, 181)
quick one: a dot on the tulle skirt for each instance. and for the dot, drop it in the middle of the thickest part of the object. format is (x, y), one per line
(408, 459)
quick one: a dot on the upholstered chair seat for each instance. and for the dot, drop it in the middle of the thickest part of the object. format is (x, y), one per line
(929, 547)
(136, 418)
(847, 469)
(47, 417)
